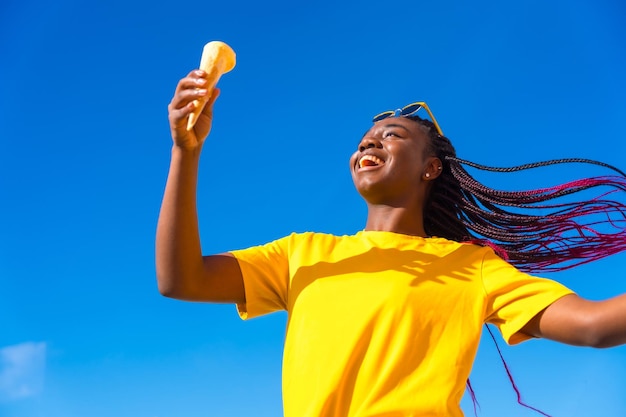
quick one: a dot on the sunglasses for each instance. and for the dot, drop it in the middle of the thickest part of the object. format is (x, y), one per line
(408, 110)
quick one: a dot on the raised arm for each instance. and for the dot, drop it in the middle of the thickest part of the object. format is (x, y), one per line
(182, 271)
(576, 321)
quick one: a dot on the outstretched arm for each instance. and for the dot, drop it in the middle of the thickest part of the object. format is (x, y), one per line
(577, 321)
(182, 271)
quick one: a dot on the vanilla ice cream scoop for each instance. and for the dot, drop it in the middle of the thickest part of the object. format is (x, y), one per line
(217, 58)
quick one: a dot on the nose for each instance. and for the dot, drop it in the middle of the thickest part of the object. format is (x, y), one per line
(369, 142)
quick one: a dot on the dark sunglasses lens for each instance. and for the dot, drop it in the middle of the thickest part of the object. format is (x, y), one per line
(410, 109)
(381, 116)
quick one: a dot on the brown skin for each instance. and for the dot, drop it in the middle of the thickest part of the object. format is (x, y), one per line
(394, 187)
(182, 271)
(395, 190)
(576, 321)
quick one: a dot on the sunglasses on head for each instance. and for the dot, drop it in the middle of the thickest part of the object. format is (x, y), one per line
(408, 110)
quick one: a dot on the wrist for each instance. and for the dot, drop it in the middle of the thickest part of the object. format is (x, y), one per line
(184, 153)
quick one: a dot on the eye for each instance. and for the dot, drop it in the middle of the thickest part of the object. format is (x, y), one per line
(391, 133)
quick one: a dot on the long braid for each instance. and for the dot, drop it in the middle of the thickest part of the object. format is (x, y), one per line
(443, 212)
(562, 234)
(461, 208)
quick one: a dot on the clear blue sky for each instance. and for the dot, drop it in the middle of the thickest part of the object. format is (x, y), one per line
(84, 155)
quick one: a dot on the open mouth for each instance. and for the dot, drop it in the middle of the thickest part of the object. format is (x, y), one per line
(370, 161)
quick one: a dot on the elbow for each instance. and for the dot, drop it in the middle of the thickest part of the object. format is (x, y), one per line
(175, 285)
(165, 288)
(166, 291)
(598, 343)
(599, 340)
(166, 284)
(170, 279)
(595, 334)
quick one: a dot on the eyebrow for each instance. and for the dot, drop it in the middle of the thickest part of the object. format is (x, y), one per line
(389, 125)
(397, 125)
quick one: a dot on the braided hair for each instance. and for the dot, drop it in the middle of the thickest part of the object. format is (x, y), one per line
(572, 233)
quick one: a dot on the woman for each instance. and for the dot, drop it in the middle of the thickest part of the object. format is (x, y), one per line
(387, 321)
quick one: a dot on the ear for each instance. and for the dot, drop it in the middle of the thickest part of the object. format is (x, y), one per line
(432, 168)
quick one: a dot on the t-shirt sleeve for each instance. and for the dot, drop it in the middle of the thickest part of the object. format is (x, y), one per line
(265, 272)
(514, 297)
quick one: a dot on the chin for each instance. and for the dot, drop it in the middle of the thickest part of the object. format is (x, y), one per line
(373, 193)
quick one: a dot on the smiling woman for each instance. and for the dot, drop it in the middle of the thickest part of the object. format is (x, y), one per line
(387, 321)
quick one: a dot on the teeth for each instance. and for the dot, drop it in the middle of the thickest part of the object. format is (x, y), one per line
(370, 160)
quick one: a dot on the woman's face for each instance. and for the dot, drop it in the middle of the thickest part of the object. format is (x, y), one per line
(390, 162)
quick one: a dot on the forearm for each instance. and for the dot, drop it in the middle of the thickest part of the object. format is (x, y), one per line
(178, 249)
(182, 271)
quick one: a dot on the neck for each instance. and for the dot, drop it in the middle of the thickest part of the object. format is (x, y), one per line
(404, 220)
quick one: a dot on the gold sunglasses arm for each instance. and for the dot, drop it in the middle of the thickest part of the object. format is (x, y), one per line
(432, 117)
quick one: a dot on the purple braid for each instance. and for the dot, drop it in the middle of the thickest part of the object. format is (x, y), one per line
(561, 236)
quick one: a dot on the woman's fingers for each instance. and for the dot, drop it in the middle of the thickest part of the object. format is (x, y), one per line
(188, 89)
(203, 125)
(190, 93)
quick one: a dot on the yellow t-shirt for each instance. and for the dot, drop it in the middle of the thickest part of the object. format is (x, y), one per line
(384, 324)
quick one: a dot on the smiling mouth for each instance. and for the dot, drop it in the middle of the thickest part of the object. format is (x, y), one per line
(370, 161)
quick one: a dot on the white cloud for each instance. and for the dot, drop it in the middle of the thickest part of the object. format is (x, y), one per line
(22, 370)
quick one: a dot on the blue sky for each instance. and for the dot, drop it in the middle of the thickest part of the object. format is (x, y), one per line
(84, 88)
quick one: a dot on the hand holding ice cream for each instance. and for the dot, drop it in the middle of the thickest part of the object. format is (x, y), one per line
(217, 58)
